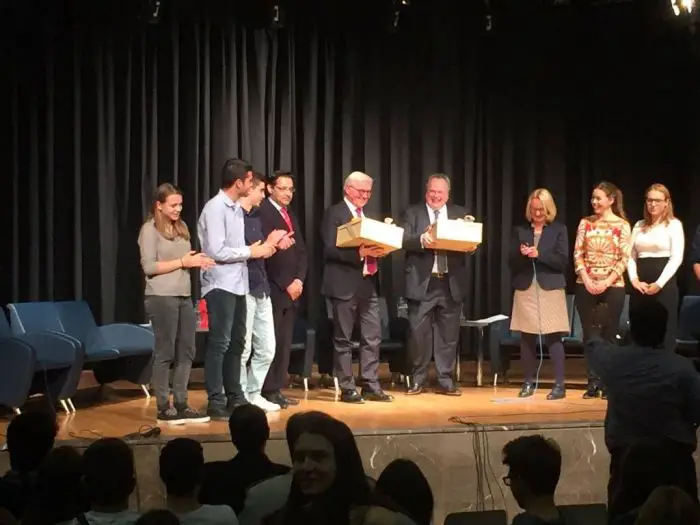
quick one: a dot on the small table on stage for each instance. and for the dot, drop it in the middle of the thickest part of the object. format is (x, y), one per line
(480, 325)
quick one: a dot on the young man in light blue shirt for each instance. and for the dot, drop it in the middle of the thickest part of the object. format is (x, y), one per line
(221, 232)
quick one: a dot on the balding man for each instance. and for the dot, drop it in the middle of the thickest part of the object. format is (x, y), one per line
(436, 284)
(350, 279)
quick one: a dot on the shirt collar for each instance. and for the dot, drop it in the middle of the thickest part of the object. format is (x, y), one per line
(352, 207)
(431, 212)
(227, 200)
(274, 203)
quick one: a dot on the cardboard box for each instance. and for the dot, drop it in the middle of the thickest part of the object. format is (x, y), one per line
(457, 235)
(368, 231)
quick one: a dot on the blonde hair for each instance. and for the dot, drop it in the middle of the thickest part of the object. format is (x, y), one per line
(545, 197)
(161, 222)
(668, 213)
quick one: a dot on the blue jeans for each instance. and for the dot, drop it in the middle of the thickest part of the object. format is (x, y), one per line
(260, 341)
(225, 343)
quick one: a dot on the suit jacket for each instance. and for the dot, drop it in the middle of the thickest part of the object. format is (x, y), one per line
(419, 261)
(553, 257)
(342, 270)
(285, 265)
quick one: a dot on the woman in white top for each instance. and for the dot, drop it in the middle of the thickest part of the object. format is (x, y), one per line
(658, 243)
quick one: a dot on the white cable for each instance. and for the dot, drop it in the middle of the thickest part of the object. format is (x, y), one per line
(539, 326)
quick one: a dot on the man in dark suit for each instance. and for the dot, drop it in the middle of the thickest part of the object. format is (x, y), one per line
(286, 272)
(435, 288)
(350, 282)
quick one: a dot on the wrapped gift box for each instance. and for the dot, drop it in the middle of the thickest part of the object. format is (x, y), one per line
(457, 235)
(368, 231)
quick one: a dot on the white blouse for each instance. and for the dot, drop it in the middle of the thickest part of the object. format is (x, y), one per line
(660, 240)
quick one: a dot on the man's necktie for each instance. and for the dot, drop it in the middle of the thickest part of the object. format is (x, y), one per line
(440, 256)
(370, 262)
(287, 219)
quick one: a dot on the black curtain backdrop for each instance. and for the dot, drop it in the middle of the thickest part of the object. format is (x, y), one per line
(99, 107)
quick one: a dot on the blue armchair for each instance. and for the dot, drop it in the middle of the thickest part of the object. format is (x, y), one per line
(113, 352)
(39, 362)
(689, 326)
(301, 359)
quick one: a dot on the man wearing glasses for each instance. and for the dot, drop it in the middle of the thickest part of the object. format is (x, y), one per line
(286, 272)
(350, 282)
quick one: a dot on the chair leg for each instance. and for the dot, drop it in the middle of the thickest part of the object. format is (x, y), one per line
(336, 384)
(65, 406)
(306, 384)
(145, 391)
(71, 405)
(16, 410)
(408, 381)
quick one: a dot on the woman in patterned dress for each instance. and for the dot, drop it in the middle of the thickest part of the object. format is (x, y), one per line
(538, 260)
(601, 252)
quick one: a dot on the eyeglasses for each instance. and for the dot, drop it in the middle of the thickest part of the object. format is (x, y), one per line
(285, 189)
(655, 201)
(362, 192)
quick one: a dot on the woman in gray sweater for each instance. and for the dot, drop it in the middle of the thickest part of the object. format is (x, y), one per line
(166, 259)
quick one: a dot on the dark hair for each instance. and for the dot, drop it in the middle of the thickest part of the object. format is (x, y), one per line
(298, 423)
(181, 466)
(179, 229)
(158, 517)
(349, 488)
(249, 428)
(615, 194)
(110, 478)
(536, 461)
(403, 482)
(233, 170)
(30, 437)
(258, 178)
(278, 174)
(648, 323)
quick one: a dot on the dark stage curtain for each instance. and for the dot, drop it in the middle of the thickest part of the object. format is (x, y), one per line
(99, 107)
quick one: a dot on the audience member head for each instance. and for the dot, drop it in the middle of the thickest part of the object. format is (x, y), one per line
(166, 212)
(534, 466)
(437, 190)
(109, 479)
(670, 506)
(403, 482)
(236, 178)
(606, 196)
(648, 324)
(327, 470)
(297, 424)
(540, 208)
(358, 188)
(158, 517)
(30, 437)
(645, 465)
(658, 206)
(59, 494)
(182, 467)
(280, 187)
(249, 429)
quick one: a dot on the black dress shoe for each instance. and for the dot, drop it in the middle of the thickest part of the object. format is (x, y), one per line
(376, 395)
(451, 391)
(558, 392)
(592, 391)
(277, 398)
(414, 389)
(351, 396)
(287, 400)
(527, 390)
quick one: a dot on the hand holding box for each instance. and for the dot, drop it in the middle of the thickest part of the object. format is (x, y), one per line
(369, 232)
(459, 235)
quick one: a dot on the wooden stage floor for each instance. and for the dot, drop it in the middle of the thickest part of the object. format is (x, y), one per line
(122, 409)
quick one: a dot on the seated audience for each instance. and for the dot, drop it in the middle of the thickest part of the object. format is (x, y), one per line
(181, 470)
(407, 490)
(30, 437)
(651, 395)
(226, 482)
(670, 506)
(329, 485)
(59, 495)
(158, 517)
(534, 466)
(109, 479)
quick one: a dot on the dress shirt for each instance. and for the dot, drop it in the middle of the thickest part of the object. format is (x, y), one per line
(659, 240)
(353, 209)
(442, 216)
(222, 237)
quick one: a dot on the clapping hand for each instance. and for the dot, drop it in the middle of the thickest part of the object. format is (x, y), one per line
(287, 241)
(197, 260)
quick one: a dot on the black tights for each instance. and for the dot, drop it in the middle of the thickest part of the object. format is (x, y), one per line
(529, 352)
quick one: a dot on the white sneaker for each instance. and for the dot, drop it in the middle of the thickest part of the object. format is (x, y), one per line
(267, 406)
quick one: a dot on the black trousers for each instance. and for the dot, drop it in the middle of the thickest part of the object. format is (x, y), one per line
(600, 316)
(284, 313)
(362, 307)
(434, 331)
(648, 270)
(174, 326)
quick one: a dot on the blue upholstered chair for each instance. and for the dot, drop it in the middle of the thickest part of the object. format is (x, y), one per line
(113, 352)
(37, 363)
(688, 326)
(303, 351)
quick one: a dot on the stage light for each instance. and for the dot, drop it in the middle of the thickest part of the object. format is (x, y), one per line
(681, 7)
(278, 16)
(398, 7)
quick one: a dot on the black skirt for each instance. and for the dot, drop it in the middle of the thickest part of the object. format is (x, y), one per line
(649, 269)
